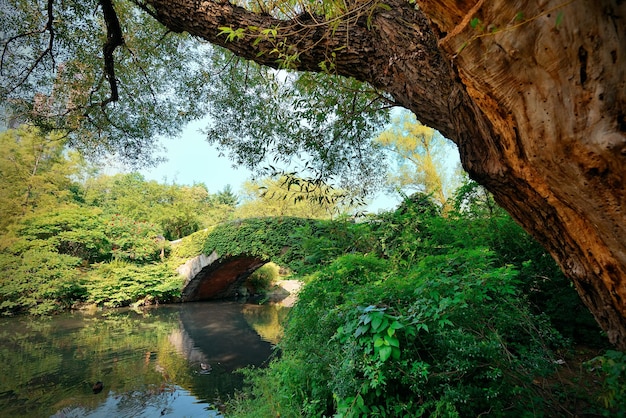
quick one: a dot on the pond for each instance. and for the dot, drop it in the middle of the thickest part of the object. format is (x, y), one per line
(174, 360)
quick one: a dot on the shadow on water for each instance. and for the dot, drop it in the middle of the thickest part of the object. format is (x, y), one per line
(173, 360)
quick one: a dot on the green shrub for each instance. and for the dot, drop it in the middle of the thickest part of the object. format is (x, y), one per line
(131, 240)
(121, 283)
(78, 232)
(39, 281)
(263, 277)
(611, 367)
(450, 337)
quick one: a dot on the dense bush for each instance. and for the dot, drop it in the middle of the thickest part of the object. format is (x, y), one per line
(39, 281)
(452, 337)
(262, 279)
(421, 313)
(120, 283)
(75, 231)
(48, 264)
(131, 240)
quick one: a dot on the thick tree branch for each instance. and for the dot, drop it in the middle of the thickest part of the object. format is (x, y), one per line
(114, 39)
(311, 43)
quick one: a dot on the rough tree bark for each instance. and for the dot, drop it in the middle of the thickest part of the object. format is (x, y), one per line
(533, 92)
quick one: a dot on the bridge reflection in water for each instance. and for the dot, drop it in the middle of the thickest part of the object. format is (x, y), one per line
(216, 336)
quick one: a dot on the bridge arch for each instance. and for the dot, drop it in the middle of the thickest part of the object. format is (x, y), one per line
(215, 277)
(234, 250)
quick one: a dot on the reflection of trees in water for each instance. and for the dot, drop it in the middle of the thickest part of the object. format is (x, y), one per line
(267, 320)
(166, 401)
(50, 365)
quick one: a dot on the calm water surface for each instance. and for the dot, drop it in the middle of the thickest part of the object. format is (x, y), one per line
(175, 361)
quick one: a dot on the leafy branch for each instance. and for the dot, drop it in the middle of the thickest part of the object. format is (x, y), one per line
(48, 51)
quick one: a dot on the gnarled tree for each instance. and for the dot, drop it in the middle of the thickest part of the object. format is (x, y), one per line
(533, 93)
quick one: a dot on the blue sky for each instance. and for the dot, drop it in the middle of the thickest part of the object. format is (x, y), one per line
(190, 159)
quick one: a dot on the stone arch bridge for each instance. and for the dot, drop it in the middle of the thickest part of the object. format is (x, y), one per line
(230, 252)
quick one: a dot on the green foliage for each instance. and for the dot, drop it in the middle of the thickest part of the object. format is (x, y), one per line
(452, 336)
(421, 154)
(323, 241)
(263, 277)
(191, 245)
(227, 197)
(63, 88)
(254, 111)
(376, 328)
(121, 283)
(132, 240)
(34, 173)
(415, 313)
(289, 195)
(611, 367)
(57, 217)
(74, 231)
(177, 210)
(266, 238)
(478, 221)
(43, 268)
(39, 281)
(403, 235)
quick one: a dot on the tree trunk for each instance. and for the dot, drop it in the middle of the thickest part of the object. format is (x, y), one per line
(552, 84)
(533, 93)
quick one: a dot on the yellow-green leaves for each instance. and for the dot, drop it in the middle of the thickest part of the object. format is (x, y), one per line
(421, 155)
(232, 34)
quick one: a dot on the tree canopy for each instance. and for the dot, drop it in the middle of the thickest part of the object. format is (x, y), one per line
(421, 154)
(533, 93)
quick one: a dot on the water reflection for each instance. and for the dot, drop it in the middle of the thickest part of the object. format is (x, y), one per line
(174, 360)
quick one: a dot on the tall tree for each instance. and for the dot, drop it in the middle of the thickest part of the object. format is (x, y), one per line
(34, 173)
(178, 209)
(421, 153)
(226, 196)
(532, 92)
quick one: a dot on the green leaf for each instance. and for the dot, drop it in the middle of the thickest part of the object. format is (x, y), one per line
(396, 325)
(475, 23)
(559, 20)
(385, 352)
(376, 322)
(225, 30)
(361, 330)
(392, 341)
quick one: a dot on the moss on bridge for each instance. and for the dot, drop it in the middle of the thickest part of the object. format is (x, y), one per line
(232, 251)
(271, 238)
(268, 238)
